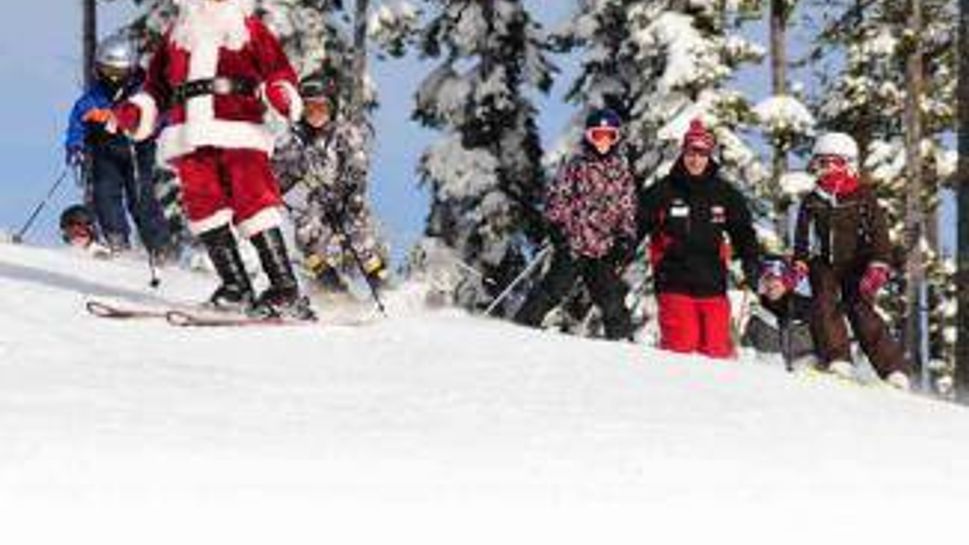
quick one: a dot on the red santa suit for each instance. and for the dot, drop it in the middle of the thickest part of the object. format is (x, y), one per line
(212, 76)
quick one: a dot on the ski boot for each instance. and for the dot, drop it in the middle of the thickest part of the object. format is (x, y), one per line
(235, 293)
(325, 273)
(282, 298)
(117, 243)
(375, 270)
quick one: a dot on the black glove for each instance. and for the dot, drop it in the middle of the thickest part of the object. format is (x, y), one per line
(623, 251)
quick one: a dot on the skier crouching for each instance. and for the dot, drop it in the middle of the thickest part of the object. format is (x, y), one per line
(317, 168)
(217, 64)
(841, 243)
(780, 322)
(591, 206)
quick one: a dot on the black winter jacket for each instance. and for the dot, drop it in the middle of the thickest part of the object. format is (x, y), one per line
(689, 220)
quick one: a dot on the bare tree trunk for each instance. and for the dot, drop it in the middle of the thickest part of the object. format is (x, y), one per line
(89, 37)
(359, 101)
(778, 65)
(962, 188)
(914, 217)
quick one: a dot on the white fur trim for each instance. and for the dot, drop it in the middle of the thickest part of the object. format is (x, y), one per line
(216, 220)
(178, 140)
(267, 218)
(203, 21)
(149, 116)
(295, 101)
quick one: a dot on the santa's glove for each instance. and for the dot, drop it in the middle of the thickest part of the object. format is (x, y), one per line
(75, 156)
(874, 279)
(284, 100)
(125, 117)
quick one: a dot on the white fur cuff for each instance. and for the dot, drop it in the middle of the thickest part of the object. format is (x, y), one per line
(216, 220)
(267, 218)
(149, 116)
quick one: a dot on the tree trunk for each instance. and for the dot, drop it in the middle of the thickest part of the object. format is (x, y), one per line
(914, 217)
(962, 189)
(359, 100)
(778, 65)
(89, 37)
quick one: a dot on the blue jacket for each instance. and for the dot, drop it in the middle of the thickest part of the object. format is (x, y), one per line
(98, 96)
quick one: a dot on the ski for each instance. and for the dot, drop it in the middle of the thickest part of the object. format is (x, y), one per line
(118, 312)
(193, 316)
(181, 318)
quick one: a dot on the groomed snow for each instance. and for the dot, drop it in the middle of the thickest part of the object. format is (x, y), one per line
(431, 427)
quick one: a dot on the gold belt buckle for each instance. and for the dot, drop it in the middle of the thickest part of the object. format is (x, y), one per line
(221, 86)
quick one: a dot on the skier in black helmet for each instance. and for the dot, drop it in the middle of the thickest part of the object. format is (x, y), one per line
(318, 172)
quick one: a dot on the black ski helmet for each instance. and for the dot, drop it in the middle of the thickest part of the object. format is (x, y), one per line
(75, 216)
(322, 84)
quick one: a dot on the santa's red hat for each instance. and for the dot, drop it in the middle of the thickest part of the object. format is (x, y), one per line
(697, 137)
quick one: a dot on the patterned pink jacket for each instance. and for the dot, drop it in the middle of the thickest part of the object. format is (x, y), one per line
(593, 202)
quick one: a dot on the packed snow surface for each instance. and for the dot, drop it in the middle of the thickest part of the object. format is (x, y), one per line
(430, 427)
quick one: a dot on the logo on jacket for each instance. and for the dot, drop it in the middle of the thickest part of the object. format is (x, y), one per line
(718, 214)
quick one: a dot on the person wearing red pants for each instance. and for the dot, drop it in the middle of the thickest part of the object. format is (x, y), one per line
(696, 221)
(213, 74)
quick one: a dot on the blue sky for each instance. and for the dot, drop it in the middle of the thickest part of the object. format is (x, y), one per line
(41, 68)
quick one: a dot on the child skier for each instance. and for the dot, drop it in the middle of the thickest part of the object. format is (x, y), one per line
(841, 243)
(780, 322)
(120, 171)
(317, 168)
(79, 231)
(592, 208)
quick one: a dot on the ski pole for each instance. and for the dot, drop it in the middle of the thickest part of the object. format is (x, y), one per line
(154, 281)
(19, 237)
(348, 247)
(536, 262)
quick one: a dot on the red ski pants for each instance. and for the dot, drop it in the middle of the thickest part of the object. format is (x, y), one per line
(695, 324)
(221, 185)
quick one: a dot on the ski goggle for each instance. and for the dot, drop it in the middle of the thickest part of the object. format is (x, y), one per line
(602, 136)
(112, 73)
(827, 162)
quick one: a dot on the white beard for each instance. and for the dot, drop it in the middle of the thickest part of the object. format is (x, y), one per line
(203, 23)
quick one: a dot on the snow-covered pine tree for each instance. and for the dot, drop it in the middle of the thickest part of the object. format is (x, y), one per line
(485, 175)
(860, 63)
(660, 64)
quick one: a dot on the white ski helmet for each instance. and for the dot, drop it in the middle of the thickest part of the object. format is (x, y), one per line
(116, 52)
(838, 144)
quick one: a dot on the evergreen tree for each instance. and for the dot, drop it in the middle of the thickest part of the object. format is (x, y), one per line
(485, 175)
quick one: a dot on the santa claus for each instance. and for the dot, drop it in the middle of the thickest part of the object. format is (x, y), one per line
(212, 77)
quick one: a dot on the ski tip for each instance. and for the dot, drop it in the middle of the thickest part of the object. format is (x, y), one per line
(99, 309)
(179, 318)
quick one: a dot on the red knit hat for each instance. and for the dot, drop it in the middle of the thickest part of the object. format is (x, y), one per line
(698, 137)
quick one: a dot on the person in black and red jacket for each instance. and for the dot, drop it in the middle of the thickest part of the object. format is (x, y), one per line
(696, 222)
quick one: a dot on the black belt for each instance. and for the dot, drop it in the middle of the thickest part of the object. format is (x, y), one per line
(213, 86)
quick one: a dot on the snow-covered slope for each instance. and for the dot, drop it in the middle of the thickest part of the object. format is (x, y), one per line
(429, 427)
